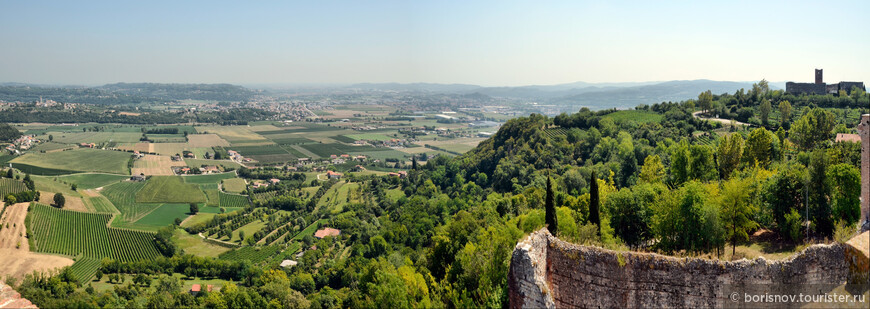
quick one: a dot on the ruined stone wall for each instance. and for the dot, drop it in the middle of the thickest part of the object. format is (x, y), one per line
(864, 132)
(808, 88)
(590, 277)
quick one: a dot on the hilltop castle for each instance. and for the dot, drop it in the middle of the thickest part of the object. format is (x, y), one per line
(820, 88)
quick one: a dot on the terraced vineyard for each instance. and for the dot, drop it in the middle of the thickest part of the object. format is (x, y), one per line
(123, 196)
(232, 200)
(254, 254)
(8, 186)
(66, 232)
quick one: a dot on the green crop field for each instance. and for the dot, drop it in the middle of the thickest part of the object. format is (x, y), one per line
(165, 215)
(259, 150)
(289, 140)
(201, 162)
(93, 137)
(234, 185)
(123, 196)
(253, 254)
(232, 200)
(344, 138)
(84, 269)
(169, 189)
(49, 146)
(211, 194)
(635, 115)
(8, 186)
(325, 150)
(210, 178)
(72, 233)
(37, 170)
(91, 180)
(370, 136)
(85, 160)
(101, 204)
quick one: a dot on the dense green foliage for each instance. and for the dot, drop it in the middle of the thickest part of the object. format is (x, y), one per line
(8, 133)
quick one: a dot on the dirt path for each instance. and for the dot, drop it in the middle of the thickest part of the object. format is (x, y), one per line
(220, 241)
(723, 121)
(16, 260)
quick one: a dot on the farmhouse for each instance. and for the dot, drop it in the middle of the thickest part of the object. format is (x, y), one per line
(274, 180)
(210, 169)
(321, 233)
(333, 175)
(140, 177)
(196, 288)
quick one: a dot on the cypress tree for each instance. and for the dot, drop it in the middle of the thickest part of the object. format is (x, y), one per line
(594, 202)
(550, 208)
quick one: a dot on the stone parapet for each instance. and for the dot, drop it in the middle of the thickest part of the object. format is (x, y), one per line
(575, 276)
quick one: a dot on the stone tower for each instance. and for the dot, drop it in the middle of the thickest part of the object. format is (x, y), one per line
(819, 79)
(864, 131)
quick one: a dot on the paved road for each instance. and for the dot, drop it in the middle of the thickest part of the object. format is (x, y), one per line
(723, 121)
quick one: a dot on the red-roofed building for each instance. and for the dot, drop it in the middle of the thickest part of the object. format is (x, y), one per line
(274, 180)
(327, 232)
(333, 175)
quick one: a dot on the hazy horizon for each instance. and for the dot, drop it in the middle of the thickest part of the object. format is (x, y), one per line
(483, 43)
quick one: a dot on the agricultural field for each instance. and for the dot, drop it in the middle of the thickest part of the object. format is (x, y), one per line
(169, 189)
(640, 117)
(200, 162)
(91, 180)
(265, 153)
(234, 185)
(232, 200)
(123, 197)
(92, 137)
(82, 160)
(71, 233)
(167, 138)
(155, 165)
(193, 244)
(85, 268)
(165, 215)
(16, 259)
(8, 185)
(52, 146)
(235, 135)
(100, 204)
(210, 178)
(206, 140)
(370, 136)
(71, 202)
(460, 145)
(253, 254)
(325, 150)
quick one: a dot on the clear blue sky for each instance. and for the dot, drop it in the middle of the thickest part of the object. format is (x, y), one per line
(484, 42)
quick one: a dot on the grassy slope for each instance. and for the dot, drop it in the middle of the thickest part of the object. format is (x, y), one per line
(169, 189)
(86, 160)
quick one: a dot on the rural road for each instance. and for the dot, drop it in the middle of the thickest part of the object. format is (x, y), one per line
(723, 121)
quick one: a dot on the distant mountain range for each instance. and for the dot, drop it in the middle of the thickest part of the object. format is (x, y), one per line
(565, 96)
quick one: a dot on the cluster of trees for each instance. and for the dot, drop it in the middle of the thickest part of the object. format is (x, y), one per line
(8, 133)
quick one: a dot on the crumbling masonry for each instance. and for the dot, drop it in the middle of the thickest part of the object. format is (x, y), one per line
(864, 132)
